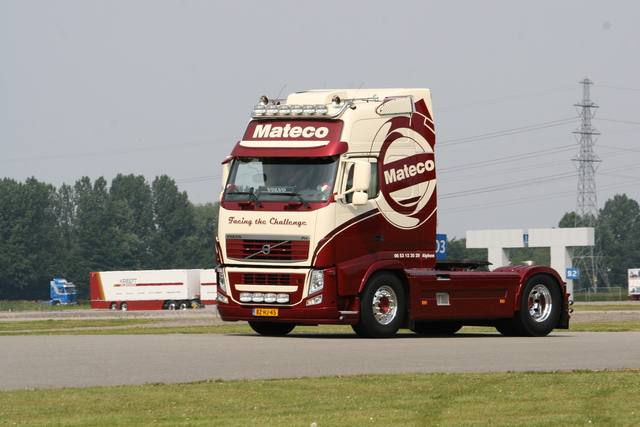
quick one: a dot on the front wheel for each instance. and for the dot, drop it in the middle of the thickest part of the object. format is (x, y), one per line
(272, 329)
(540, 307)
(382, 307)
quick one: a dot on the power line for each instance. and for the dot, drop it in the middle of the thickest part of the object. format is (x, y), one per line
(525, 200)
(616, 87)
(506, 99)
(617, 121)
(515, 184)
(501, 160)
(507, 132)
(111, 152)
(199, 179)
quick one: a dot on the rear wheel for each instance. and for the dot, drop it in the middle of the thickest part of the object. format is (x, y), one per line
(114, 306)
(506, 328)
(272, 329)
(184, 305)
(540, 306)
(172, 305)
(382, 307)
(124, 306)
(436, 328)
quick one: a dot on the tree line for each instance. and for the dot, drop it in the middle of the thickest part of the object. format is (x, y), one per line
(617, 228)
(136, 225)
(48, 232)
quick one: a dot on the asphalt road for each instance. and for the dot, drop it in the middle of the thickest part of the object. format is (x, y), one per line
(30, 362)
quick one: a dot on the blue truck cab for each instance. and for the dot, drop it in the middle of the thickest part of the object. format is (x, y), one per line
(63, 292)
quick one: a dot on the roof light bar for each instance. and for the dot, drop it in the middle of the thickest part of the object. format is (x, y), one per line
(276, 108)
(289, 110)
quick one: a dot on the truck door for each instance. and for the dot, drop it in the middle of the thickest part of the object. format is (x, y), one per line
(360, 229)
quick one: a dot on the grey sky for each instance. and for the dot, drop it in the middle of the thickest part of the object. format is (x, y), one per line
(101, 87)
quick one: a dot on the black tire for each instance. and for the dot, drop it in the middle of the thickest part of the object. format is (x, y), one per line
(172, 305)
(436, 328)
(506, 328)
(540, 308)
(382, 307)
(272, 329)
(183, 305)
(114, 306)
(124, 306)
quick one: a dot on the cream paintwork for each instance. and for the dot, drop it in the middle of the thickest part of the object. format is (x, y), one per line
(364, 130)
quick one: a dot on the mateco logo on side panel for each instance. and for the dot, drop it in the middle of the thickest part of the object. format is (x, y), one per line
(408, 170)
(302, 130)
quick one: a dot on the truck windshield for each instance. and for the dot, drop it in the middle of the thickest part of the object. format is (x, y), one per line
(281, 179)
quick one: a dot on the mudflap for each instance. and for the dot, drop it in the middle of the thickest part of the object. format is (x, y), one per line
(563, 321)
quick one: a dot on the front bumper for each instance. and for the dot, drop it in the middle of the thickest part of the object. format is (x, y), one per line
(317, 315)
(303, 308)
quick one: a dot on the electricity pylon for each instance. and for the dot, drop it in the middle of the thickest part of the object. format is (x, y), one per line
(588, 258)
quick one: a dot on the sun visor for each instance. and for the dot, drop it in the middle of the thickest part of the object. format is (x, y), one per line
(332, 148)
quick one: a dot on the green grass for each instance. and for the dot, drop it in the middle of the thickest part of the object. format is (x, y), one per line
(607, 307)
(578, 398)
(144, 327)
(68, 325)
(6, 305)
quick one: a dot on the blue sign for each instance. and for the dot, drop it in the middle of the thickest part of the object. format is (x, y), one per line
(573, 273)
(441, 246)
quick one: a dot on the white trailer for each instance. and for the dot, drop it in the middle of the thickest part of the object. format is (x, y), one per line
(208, 287)
(145, 289)
(634, 283)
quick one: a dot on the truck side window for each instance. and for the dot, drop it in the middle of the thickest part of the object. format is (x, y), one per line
(374, 188)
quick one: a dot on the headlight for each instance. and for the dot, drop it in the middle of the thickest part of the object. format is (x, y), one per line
(220, 278)
(316, 283)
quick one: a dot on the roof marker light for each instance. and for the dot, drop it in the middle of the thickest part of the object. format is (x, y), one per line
(284, 109)
(321, 109)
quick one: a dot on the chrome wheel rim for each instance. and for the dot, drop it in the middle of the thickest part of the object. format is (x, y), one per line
(385, 305)
(540, 303)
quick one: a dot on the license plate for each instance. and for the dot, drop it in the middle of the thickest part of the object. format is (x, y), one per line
(271, 312)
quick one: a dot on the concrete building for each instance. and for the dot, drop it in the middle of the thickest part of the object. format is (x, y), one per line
(560, 240)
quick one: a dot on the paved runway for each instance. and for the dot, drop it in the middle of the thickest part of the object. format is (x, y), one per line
(30, 362)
